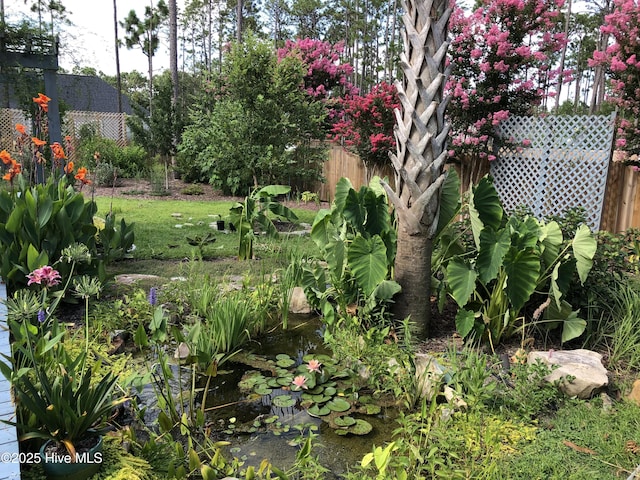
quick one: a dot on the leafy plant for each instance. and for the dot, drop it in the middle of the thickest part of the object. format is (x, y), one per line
(254, 211)
(357, 240)
(514, 258)
(38, 222)
(115, 243)
(66, 405)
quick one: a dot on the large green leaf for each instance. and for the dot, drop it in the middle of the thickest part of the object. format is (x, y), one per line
(485, 208)
(367, 259)
(320, 229)
(386, 290)
(551, 241)
(273, 190)
(461, 278)
(523, 269)
(449, 199)
(584, 248)
(342, 190)
(378, 218)
(354, 210)
(465, 320)
(493, 247)
(572, 327)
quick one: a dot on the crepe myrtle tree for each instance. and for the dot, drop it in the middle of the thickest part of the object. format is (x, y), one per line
(364, 125)
(622, 62)
(501, 57)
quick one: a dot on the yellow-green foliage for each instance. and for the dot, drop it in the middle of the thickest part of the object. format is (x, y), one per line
(120, 465)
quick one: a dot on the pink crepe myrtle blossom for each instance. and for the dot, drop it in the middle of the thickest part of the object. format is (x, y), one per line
(45, 276)
(299, 382)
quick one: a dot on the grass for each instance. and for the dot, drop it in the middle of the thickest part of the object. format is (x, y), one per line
(163, 229)
(582, 441)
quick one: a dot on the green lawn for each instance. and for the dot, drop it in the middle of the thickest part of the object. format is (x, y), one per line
(163, 229)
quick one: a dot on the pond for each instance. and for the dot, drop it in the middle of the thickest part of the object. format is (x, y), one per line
(258, 429)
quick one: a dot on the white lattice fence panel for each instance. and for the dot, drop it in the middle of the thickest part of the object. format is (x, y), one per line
(9, 117)
(565, 165)
(107, 125)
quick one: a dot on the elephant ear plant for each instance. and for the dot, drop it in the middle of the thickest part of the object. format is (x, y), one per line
(357, 240)
(515, 260)
(254, 211)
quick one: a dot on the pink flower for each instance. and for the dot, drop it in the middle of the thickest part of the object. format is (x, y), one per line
(299, 382)
(526, 142)
(314, 366)
(45, 276)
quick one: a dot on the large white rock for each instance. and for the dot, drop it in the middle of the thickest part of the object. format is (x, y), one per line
(428, 375)
(299, 303)
(585, 365)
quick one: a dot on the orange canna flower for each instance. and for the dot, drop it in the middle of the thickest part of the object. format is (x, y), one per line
(37, 142)
(5, 157)
(21, 129)
(68, 168)
(67, 138)
(82, 173)
(58, 151)
(42, 99)
(14, 170)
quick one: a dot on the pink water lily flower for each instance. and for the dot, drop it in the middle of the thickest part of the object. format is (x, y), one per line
(314, 366)
(300, 382)
(45, 276)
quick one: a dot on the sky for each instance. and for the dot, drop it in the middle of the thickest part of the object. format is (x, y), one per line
(89, 41)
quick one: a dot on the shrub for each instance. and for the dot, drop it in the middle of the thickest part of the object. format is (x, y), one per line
(131, 161)
(106, 175)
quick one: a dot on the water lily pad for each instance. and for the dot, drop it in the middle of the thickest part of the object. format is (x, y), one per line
(317, 411)
(345, 421)
(371, 409)
(250, 381)
(263, 389)
(273, 383)
(338, 405)
(284, 361)
(361, 427)
(320, 398)
(330, 391)
(284, 381)
(283, 401)
(316, 390)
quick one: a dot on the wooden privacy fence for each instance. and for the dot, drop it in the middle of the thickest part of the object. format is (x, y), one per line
(620, 205)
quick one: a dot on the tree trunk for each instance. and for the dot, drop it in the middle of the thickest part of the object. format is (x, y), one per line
(421, 134)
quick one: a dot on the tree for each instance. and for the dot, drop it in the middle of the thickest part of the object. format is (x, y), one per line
(421, 137)
(365, 126)
(621, 60)
(260, 128)
(143, 33)
(501, 66)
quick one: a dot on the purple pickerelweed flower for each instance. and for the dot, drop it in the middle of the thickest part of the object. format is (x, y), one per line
(153, 296)
(42, 316)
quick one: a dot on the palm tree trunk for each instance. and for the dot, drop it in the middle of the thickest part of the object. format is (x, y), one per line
(421, 134)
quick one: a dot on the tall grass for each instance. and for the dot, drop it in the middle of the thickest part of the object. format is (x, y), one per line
(623, 330)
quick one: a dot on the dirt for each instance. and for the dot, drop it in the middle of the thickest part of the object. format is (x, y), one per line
(178, 190)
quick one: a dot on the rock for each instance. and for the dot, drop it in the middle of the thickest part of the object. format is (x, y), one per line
(634, 396)
(428, 375)
(182, 352)
(299, 303)
(131, 278)
(585, 365)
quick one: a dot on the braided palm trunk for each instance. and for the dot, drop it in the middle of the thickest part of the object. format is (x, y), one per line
(421, 134)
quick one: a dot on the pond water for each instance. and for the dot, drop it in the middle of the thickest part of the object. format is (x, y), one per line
(258, 430)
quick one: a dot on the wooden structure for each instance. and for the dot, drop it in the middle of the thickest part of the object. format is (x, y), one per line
(554, 163)
(620, 207)
(9, 465)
